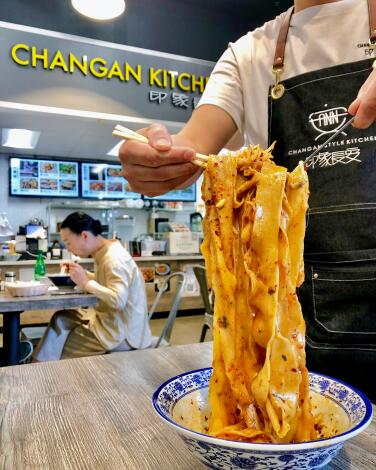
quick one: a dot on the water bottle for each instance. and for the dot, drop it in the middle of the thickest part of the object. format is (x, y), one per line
(40, 267)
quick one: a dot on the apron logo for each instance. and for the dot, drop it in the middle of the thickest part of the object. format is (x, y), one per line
(328, 121)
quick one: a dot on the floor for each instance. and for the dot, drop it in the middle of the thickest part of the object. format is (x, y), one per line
(187, 330)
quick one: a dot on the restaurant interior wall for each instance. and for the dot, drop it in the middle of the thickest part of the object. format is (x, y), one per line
(199, 28)
(21, 209)
(194, 28)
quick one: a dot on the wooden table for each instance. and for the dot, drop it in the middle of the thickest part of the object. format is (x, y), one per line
(12, 307)
(96, 414)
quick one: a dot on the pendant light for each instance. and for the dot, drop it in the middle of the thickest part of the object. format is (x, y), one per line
(99, 9)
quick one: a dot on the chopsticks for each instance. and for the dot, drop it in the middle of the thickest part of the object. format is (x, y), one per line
(127, 134)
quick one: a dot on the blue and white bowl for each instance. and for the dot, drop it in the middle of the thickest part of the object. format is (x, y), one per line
(182, 403)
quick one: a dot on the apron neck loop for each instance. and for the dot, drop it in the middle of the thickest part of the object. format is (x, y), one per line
(279, 57)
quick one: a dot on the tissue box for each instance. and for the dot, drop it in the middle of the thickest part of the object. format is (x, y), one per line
(182, 243)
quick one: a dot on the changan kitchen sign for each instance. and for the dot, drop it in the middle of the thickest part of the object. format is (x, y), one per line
(53, 69)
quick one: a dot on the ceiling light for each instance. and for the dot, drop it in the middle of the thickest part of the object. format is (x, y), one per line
(19, 138)
(99, 9)
(114, 152)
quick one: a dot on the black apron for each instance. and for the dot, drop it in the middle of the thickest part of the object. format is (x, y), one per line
(338, 296)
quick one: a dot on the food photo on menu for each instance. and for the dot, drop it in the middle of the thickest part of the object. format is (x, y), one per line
(97, 172)
(29, 168)
(114, 172)
(67, 169)
(97, 186)
(68, 185)
(49, 168)
(115, 186)
(29, 183)
(48, 184)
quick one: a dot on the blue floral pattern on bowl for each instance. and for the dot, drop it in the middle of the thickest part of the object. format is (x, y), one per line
(228, 455)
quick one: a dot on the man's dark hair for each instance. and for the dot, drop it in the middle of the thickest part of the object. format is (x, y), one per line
(79, 222)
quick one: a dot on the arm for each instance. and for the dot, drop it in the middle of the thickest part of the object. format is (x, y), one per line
(90, 275)
(115, 293)
(164, 164)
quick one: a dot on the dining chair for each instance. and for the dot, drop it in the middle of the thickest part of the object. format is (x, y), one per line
(164, 338)
(24, 352)
(200, 273)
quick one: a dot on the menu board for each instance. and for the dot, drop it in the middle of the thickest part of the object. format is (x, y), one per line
(51, 178)
(186, 195)
(104, 181)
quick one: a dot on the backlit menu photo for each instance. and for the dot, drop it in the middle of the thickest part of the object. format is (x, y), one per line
(104, 181)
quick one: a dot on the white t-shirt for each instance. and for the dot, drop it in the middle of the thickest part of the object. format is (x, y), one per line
(319, 37)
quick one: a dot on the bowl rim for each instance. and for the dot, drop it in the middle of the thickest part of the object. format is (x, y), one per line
(340, 438)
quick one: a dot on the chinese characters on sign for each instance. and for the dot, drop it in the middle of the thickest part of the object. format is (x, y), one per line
(342, 157)
(178, 100)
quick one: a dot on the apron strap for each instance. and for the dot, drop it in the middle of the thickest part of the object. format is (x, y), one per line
(279, 57)
(372, 21)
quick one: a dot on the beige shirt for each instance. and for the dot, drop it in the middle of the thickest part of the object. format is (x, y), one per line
(319, 37)
(121, 313)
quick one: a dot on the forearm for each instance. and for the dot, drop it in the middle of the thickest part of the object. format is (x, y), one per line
(90, 275)
(208, 130)
(219, 129)
(111, 297)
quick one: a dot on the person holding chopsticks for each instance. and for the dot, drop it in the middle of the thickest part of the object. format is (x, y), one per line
(119, 318)
(296, 80)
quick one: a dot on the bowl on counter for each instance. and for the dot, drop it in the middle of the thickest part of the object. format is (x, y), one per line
(182, 403)
(61, 280)
(11, 258)
(26, 288)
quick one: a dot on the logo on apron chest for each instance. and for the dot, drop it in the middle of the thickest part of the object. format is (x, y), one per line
(322, 124)
(328, 121)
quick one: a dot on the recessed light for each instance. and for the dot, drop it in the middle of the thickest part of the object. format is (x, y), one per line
(99, 9)
(19, 138)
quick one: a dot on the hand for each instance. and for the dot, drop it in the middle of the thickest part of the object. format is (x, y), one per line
(78, 275)
(364, 107)
(156, 168)
(64, 267)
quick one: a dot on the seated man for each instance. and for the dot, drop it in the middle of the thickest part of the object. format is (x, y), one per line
(120, 317)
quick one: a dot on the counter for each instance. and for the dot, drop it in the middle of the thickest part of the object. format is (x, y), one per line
(156, 259)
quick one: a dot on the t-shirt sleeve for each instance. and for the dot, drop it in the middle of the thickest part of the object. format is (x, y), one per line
(224, 88)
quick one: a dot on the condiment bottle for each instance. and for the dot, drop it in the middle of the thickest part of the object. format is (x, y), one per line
(10, 276)
(40, 267)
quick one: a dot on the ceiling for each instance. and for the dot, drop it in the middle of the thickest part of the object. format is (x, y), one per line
(64, 135)
(80, 135)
